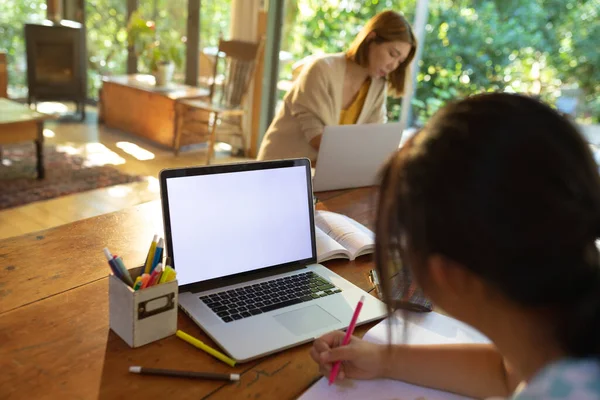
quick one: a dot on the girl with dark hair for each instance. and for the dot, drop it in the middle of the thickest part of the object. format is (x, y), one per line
(494, 209)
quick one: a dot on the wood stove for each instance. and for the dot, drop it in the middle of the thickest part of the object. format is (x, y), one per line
(56, 62)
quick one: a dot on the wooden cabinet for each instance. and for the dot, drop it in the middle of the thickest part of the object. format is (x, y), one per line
(133, 104)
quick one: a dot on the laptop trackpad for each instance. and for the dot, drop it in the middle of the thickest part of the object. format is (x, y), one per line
(306, 320)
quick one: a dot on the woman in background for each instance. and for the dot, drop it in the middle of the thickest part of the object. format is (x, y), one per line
(344, 88)
(494, 209)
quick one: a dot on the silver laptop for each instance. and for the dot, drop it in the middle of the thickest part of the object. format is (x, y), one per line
(242, 240)
(351, 156)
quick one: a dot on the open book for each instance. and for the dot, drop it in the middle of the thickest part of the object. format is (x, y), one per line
(339, 236)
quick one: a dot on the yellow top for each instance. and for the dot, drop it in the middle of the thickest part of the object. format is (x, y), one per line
(349, 116)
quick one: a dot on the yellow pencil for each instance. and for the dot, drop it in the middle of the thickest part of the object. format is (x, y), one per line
(171, 276)
(150, 256)
(197, 343)
(138, 283)
(168, 275)
(164, 275)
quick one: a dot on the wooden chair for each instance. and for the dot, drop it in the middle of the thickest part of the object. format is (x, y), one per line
(206, 67)
(199, 118)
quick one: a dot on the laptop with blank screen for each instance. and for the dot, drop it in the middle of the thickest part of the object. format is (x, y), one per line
(351, 156)
(242, 240)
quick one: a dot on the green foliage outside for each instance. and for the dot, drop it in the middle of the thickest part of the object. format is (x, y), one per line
(106, 23)
(106, 41)
(529, 46)
(13, 15)
(152, 45)
(170, 17)
(471, 46)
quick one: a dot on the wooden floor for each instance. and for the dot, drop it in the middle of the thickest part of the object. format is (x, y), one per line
(104, 146)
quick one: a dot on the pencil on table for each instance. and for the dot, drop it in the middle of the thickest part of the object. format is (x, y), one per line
(184, 374)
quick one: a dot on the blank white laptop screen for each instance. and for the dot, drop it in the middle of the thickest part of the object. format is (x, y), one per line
(227, 223)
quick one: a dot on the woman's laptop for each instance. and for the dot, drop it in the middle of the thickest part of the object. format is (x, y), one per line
(242, 239)
(350, 156)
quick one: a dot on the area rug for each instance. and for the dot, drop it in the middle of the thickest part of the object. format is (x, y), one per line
(65, 174)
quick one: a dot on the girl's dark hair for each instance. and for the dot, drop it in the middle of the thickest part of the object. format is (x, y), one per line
(507, 187)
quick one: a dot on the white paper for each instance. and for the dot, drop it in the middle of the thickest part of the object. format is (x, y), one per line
(426, 328)
(381, 389)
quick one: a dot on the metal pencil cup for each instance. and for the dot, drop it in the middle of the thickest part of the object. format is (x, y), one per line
(143, 316)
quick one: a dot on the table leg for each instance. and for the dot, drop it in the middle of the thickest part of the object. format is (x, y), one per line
(213, 138)
(180, 110)
(81, 110)
(39, 149)
(100, 119)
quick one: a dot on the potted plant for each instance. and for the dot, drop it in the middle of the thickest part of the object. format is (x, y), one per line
(160, 51)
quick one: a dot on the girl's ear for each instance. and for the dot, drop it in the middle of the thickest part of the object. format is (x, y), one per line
(448, 278)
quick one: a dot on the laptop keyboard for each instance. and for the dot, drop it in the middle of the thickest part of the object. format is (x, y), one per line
(235, 304)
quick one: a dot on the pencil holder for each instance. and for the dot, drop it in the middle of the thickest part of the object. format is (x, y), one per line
(142, 316)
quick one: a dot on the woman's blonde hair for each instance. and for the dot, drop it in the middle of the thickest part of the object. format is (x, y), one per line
(388, 26)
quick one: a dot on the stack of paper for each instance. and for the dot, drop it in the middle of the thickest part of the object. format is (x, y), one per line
(430, 328)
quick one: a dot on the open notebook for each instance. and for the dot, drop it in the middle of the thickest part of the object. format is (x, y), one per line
(430, 328)
(339, 236)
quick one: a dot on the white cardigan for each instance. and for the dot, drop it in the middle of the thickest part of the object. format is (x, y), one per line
(313, 102)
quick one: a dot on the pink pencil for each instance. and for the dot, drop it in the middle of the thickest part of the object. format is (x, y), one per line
(349, 332)
(155, 275)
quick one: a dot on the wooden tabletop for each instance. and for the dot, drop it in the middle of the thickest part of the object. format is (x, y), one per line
(12, 112)
(144, 82)
(54, 334)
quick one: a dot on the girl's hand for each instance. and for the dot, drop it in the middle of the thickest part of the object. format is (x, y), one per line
(360, 359)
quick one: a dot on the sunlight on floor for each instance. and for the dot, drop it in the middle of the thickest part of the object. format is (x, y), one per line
(153, 184)
(223, 147)
(135, 151)
(49, 133)
(68, 149)
(51, 107)
(146, 190)
(95, 154)
(119, 191)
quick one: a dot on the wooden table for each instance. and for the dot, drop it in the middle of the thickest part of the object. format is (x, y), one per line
(19, 123)
(54, 336)
(132, 103)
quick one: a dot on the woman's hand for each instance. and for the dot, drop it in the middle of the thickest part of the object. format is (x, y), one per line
(316, 142)
(360, 359)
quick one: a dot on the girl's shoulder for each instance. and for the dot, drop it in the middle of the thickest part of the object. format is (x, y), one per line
(568, 379)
